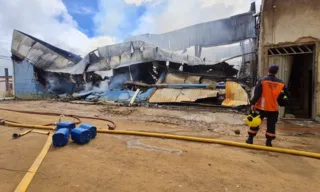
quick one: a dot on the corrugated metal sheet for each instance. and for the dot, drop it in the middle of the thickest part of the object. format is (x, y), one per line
(235, 95)
(135, 52)
(285, 64)
(173, 78)
(192, 80)
(41, 54)
(209, 34)
(49, 58)
(168, 95)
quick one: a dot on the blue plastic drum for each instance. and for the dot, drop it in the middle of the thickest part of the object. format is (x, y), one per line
(60, 137)
(66, 124)
(91, 128)
(80, 135)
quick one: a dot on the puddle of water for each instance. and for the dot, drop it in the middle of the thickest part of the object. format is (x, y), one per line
(135, 143)
(304, 123)
(138, 145)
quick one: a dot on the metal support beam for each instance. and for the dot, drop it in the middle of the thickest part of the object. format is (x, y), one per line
(278, 51)
(308, 48)
(301, 50)
(197, 51)
(271, 52)
(292, 50)
(285, 50)
(6, 72)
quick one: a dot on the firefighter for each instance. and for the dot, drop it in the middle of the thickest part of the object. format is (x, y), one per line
(264, 101)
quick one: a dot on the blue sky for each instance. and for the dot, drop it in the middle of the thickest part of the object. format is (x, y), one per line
(83, 11)
(88, 16)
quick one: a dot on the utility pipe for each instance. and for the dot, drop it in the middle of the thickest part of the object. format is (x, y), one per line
(186, 86)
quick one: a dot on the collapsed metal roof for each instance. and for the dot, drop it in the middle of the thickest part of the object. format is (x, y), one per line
(49, 58)
(235, 29)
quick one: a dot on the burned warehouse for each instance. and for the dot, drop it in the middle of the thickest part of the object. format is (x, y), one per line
(196, 64)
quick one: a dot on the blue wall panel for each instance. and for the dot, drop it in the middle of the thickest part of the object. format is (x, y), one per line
(25, 85)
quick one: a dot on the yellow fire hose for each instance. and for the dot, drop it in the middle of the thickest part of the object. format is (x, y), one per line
(186, 138)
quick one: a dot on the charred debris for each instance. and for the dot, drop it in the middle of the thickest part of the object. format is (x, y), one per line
(133, 72)
(156, 83)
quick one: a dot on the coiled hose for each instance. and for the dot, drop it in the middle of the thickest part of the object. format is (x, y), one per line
(77, 117)
(185, 138)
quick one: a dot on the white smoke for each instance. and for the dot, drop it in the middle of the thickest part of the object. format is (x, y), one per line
(103, 86)
(88, 86)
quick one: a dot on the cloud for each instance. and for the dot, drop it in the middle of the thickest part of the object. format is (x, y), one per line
(139, 2)
(82, 10)
(177, 14)
(47, 20)
(117, 18)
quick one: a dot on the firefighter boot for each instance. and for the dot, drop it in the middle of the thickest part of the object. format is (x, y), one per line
(269, 142)
(249, 140)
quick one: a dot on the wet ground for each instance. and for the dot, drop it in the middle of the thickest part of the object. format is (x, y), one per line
(129, 163)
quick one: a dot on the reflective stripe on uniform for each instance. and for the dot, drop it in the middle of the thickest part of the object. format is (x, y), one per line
(270, 134)
(263, 100)
(253, 132)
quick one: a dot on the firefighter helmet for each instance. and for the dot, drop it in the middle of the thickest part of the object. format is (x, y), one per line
(253, 120)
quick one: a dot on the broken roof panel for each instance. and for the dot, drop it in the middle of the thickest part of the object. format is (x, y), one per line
(235, 95)
(49, 58)
(214, 33)
(41, 54)
(173, 78)
(170, 95)
(135, 52)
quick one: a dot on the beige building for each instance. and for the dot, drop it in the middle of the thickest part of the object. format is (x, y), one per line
(289, 37)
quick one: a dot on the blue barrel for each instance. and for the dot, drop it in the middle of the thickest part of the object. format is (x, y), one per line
(80, 135)
(60, 137)
(91, 128)
(66, 124)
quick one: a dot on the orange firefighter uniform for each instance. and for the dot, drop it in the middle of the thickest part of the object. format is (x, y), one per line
(265, 98)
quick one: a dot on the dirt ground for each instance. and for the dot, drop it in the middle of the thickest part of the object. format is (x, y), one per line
(127, 163)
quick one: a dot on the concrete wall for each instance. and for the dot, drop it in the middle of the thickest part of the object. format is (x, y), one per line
(287, 22)
(25, 85)
(317, 82)
(290, 20)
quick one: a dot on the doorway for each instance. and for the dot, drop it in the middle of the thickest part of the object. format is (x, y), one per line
(300, 87)
(295, 69)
